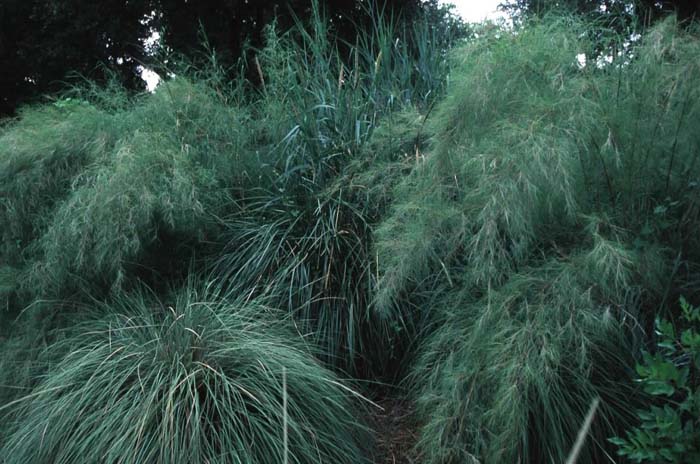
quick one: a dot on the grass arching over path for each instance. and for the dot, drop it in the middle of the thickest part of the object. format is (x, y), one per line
(505, 229)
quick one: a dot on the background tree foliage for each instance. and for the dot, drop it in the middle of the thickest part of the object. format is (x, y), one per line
(42, 42)
(616, 11)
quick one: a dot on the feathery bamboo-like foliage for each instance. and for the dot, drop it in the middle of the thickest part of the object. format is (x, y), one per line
(540, 163)
(90, 194)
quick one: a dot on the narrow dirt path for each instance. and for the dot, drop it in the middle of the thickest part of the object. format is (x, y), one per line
(397, 431)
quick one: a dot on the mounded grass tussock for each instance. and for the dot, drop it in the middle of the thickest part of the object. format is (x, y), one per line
(312, 252)
(24, 360)
(556, 216)
(195, 381)
(510, 376)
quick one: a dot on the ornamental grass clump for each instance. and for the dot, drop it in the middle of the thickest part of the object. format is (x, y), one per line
(509, 376)
(312, 252)
(192, 381)
(344, 138)
(552, 220)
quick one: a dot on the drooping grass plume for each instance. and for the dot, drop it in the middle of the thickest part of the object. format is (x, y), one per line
(91, 195)
(194, 380)
(508, 377)
(554, 215)
(40, 155)
(524, 151)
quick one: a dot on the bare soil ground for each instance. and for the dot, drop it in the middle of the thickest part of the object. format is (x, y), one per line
(396, 431)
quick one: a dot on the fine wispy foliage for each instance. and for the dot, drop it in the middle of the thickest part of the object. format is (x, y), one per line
(194, 380)
(560, 198)
(98, 192)
(40, 156)
(510, 376)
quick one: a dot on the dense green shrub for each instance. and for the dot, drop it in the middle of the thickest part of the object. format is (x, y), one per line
(197, 380)
(669, 431)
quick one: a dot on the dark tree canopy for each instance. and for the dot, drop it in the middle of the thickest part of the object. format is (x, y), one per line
(644, 11)
(44, 41)
(615, 18)
(228, 23)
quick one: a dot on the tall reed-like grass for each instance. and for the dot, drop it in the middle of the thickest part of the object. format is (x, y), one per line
(540, 164)
(307, 236)
(311, 251)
